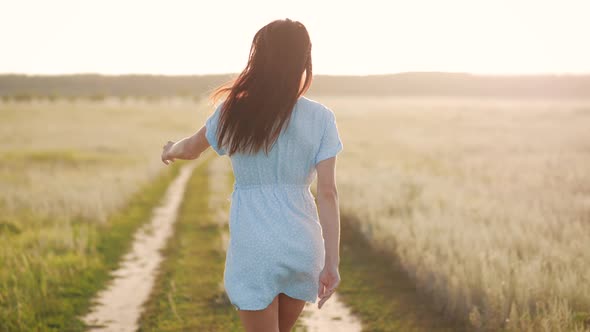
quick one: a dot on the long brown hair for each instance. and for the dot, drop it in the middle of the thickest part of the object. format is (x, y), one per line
(260, 100)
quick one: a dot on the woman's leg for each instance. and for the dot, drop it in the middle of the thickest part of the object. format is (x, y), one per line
(266, 320)
(289, 311)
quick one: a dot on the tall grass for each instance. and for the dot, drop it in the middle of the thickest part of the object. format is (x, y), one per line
(485, 203)
(76, 179)
(83, 159)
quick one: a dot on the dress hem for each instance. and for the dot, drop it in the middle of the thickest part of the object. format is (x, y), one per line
(303, 298)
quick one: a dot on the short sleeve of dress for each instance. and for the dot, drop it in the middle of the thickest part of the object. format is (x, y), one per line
(211, 132)
(330, 144)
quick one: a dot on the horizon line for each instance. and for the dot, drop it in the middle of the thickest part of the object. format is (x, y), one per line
(504, 74)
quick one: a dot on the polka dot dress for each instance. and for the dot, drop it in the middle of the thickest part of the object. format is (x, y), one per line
(276, 243)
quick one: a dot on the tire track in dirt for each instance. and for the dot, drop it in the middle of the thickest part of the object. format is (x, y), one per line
(334, 316)
(118, 307)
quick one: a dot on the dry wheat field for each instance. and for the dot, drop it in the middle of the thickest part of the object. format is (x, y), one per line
(53, 151)
(485, 203)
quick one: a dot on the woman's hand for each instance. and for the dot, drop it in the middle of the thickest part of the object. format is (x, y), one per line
(329, 280)
(165, 157)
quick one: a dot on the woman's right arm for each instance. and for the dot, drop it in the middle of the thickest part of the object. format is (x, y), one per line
(329, 215)
(188, 148)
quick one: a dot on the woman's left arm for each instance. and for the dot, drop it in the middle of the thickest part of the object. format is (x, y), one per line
(187, 148)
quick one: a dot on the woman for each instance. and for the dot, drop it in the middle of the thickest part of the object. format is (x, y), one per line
(281, 251)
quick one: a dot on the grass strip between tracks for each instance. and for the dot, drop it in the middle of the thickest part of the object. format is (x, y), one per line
(188, 294)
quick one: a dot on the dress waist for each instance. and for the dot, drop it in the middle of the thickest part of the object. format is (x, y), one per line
(241, 186)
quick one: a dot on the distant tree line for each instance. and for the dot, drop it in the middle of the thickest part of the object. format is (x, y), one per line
(98, 87)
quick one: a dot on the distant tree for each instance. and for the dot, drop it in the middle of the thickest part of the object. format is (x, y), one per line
(97, 97)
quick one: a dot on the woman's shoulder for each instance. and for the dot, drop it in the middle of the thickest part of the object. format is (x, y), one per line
(316, 108)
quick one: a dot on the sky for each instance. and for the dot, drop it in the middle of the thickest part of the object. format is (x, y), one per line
(348, 37)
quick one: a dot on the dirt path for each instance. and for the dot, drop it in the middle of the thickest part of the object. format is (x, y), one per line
(334, 316)
(119, 305)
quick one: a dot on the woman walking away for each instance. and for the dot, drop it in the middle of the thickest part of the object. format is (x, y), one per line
(283, 248)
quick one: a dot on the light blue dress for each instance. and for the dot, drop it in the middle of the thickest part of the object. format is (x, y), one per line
(276, 243)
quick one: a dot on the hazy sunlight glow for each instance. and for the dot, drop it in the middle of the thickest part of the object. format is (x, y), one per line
(349, 37)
